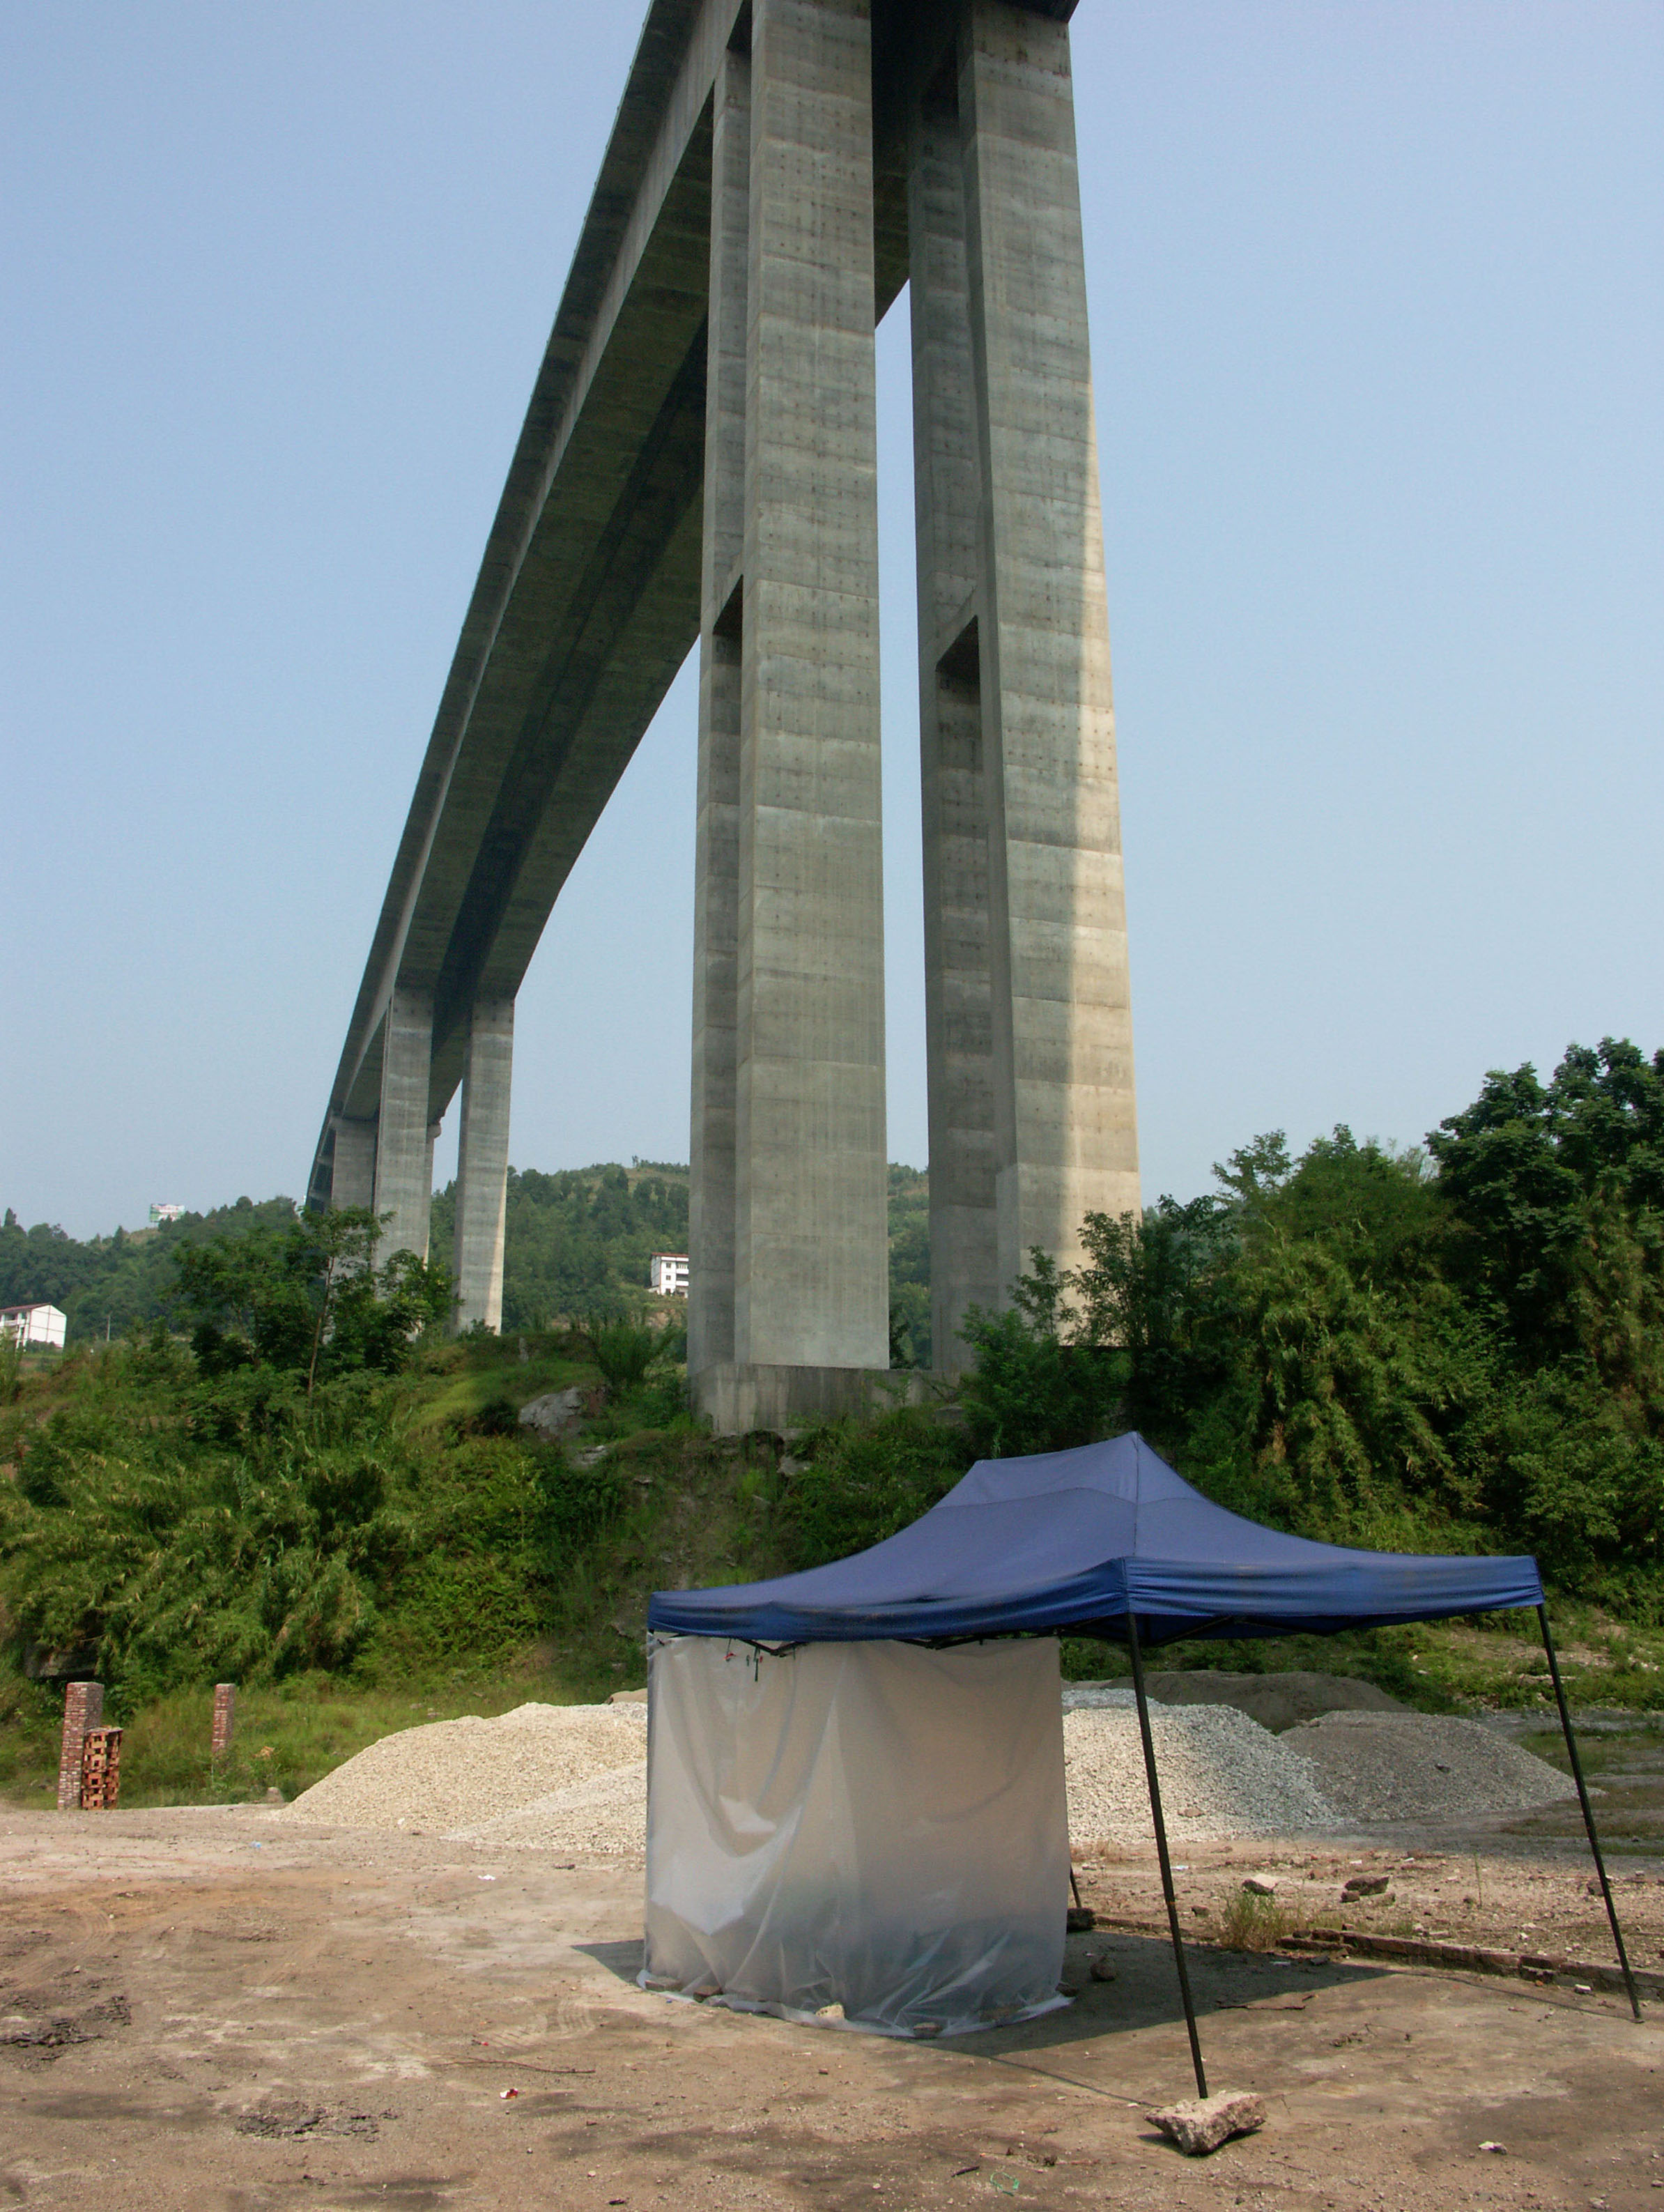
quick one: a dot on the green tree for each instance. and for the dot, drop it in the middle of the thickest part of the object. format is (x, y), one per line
(306, 1297)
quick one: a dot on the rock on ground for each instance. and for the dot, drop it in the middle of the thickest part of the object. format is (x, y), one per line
(1200, 2124)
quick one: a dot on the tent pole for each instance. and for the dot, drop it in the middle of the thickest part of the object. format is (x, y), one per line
(1161, 1850)
(1588, 1810)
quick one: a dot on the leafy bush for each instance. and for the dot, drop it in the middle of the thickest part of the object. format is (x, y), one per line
(865, 1479)
(178, 1563)
(623, 1352)
(1460, 1350)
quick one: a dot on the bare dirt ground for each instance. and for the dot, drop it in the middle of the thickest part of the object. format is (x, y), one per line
(219, 2011)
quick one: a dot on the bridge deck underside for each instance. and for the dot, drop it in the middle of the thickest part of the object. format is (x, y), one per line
(588, 600)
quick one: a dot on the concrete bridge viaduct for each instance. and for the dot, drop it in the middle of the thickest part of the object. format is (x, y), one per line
(698, 465)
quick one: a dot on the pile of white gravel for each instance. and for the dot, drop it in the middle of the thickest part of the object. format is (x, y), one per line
(608, 1812)
(1221, 1774)
(1421, 1766)
(453, 1774)
(573, 1777)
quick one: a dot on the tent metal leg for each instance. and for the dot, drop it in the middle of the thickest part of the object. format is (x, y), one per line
(1162, 1854)
(1588, 1810)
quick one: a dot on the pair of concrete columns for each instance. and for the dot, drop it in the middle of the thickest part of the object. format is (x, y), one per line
(1028, 1031)
(388, 1162)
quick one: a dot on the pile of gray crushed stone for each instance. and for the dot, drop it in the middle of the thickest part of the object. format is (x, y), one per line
(1421, 1766)
(1277, 1701)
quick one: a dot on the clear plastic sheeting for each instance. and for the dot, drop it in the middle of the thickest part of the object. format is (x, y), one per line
(874, 1834)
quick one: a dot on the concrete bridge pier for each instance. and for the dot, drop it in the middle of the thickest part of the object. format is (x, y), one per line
(791, 484)
(352, 1179)
(953, 787)
(404, 1136)
(482, 1164)
(1029, 1040)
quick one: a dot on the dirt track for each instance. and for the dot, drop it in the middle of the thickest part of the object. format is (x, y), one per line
(277, 2019)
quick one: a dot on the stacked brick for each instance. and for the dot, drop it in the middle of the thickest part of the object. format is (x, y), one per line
(225, 1719)
(101, 1770)
(83, 1709)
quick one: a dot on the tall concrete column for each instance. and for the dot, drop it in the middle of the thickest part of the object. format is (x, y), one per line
(1064, 1132)
(352, 1177)
(947, 489)
(482, 1164)
(810, 1275)
(404, 1138)
(716, 860)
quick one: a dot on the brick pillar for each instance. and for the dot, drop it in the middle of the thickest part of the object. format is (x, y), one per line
(101, 1770)
(84, 1708)
(225, 1719)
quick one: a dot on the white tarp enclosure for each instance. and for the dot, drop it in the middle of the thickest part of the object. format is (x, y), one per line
(876, 1826)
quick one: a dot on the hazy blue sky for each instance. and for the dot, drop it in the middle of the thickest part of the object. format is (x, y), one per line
(1378, 323)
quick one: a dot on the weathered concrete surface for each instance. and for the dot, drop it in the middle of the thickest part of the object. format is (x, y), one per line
(352, 1171)
(482, 1165)
(947, 491)
(405, 1137)
(738, 1399)
(1066, 1134)
(811, 1279)
(712, 1164)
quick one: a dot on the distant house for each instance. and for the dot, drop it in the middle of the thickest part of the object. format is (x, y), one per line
(35, 1324)
(667, 1272)
(161, 1213)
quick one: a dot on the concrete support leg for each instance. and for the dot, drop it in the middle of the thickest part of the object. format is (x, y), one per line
(404, 1139)
(1064, 1131)
(963, 1243)
(482, 1164)
(352, 1178)
(811, 1276)
(716, 864)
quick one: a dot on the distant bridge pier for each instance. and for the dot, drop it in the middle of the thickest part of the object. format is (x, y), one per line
(352, 1170)
(404, 1135)
(482, 1164)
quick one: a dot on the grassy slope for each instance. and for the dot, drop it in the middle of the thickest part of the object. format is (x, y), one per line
(695, 1511)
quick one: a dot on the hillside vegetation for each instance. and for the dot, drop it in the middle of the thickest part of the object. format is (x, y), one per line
(301, 1487)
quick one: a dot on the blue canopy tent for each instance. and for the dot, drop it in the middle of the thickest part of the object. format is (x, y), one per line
(1106, 1541)
(1109, 1541)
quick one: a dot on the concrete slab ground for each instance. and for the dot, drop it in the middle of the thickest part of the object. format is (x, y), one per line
(252, 2016)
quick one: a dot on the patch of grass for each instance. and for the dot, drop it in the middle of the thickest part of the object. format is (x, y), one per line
(1249, 1922)
(471, 1375)
(1439, 1667)
(287, 1735)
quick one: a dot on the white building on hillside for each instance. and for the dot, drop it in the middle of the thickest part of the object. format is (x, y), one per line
(43, 1324)
(667, 1272)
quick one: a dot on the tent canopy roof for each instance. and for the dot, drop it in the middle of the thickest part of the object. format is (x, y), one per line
(1074, 1541)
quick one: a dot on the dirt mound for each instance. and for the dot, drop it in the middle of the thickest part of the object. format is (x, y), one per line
(1420, 1767)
